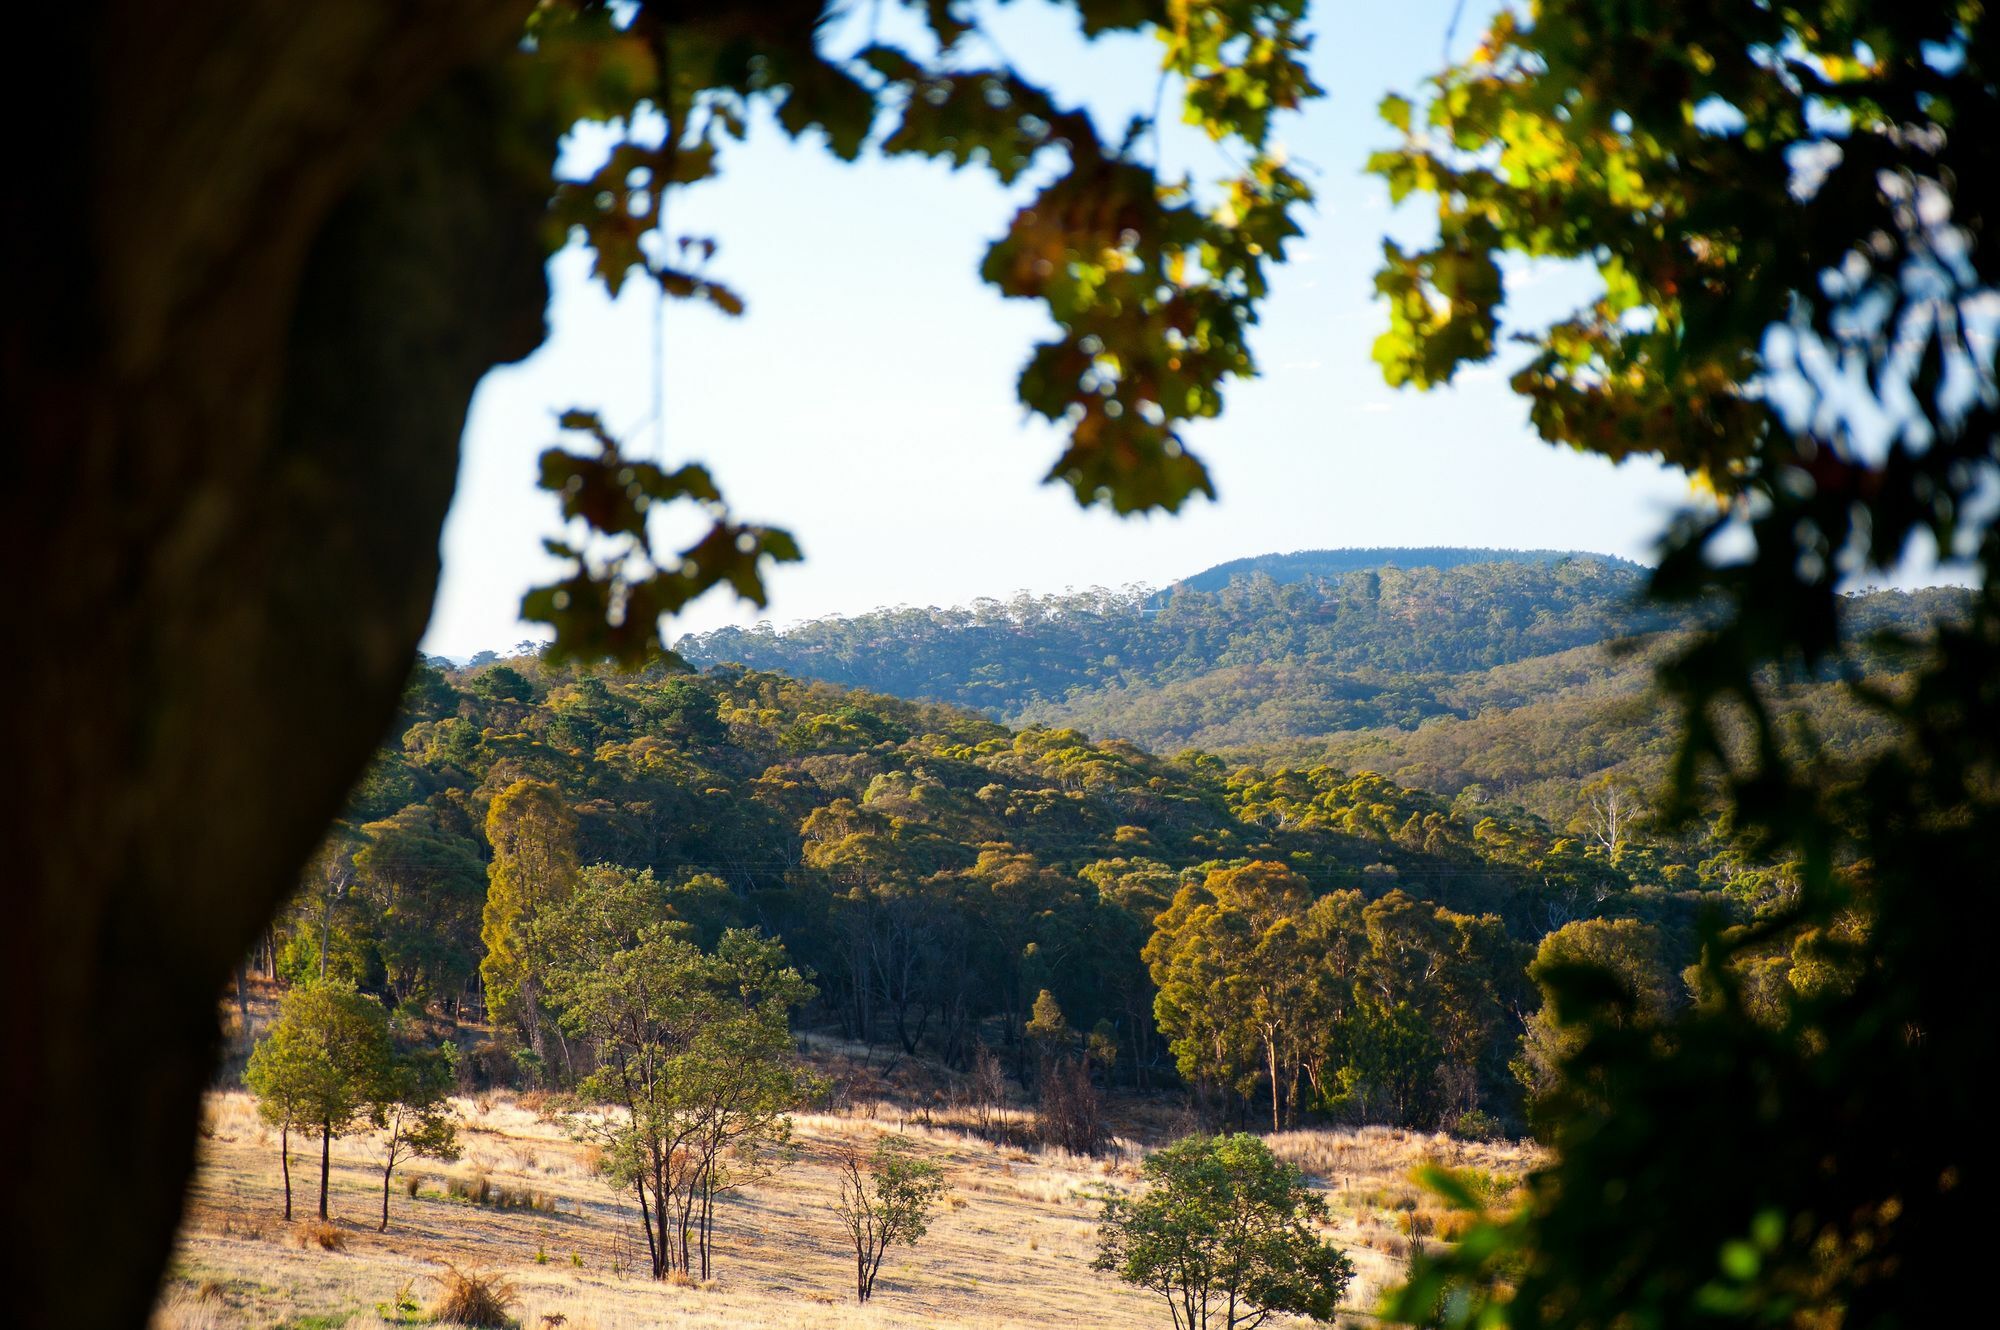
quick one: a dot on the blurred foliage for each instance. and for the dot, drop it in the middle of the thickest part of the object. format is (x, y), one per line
(1152, 283)
(1785, 206)
(611, 604)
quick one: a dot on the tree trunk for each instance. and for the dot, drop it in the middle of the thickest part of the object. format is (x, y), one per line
(285, 1156)
(707, 1223)
(685, 1221)
(235, 362)
(325, 1163)
(646, 1223)
(388, 1172)
(663, 1260)
(569, 1061)
(325, 930)
(243, 1000)
(1277, 1089)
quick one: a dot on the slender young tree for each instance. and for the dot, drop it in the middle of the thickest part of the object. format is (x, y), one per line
(413, 1111)
(887, 1196)
(280, 1074)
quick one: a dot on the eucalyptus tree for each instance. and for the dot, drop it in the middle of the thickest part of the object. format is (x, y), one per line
(695, 1072)
(532, 874)
(319, 1069)
(1234, 978)
(1227, 1234)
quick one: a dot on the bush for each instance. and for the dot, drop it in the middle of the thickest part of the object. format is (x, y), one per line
(1071, 1113)
(1476, 1125)
(318, 1233)
(482, 1190)
(1455, 1224)
(478, 1300)
(490, 1065)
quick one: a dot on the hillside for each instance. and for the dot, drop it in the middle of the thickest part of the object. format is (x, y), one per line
(1055, 928)
(1442, 668)
(1259, 660)
(939, 874)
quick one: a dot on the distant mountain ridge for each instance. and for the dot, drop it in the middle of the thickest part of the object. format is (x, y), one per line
(1304, 565)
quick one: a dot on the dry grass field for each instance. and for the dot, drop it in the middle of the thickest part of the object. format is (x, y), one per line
(1012, 1248)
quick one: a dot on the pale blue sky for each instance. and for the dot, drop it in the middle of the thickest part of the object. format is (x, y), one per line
(866, 399)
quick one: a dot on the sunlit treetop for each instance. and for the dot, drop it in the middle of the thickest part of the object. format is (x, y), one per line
(1759, 187)
(1152, 284)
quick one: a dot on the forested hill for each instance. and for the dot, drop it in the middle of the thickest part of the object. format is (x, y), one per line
(1484, 668)
(1285, 651)
(937, 871)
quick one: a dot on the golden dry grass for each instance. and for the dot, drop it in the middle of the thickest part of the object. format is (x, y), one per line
(1011, 1249)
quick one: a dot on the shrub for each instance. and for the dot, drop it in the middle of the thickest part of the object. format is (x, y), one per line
(480, 1189)
(1071, 1113)
(1476, 1125)
(403, 1307)
(469, 1298)
(1455, 1224)
(318, 1233)
(986, 1090)
(488, 1065)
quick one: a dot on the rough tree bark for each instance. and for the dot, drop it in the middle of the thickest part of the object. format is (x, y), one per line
(266, 253)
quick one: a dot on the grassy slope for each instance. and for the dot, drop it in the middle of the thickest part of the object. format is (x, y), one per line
(1012, 1250)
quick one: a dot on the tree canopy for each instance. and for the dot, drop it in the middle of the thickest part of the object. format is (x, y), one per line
(1226, 1233)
